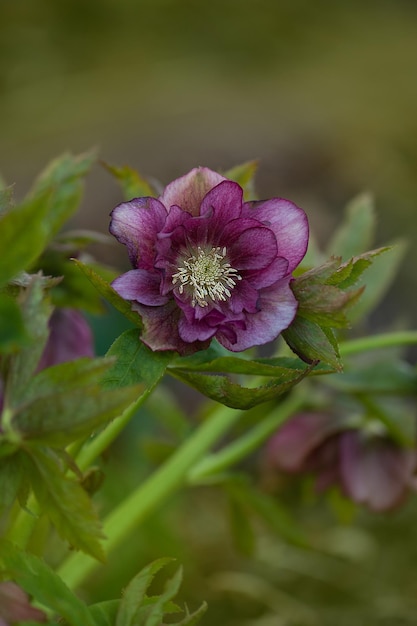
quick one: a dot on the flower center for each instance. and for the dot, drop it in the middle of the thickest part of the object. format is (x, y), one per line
(208, 275)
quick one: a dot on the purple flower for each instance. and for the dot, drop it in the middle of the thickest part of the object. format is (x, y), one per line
(207, 264)
(70, 338)
(370, 469)
(15, 606)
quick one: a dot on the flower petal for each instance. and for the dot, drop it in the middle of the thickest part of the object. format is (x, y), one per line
(254, 248)
(160, 329)
(375, 472)
(288, 222)
(136, 225)
(289, 449)
(277, 309)
(269, 275)
(223, 203)
(189, 190)
(140, 285)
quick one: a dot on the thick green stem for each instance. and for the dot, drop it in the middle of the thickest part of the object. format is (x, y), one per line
(145, 499)
(377, 342)
(242, 447)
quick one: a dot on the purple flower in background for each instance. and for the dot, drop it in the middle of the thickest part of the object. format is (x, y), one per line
(15, 606)
(70, 338)
(370, 469)
(207, 264)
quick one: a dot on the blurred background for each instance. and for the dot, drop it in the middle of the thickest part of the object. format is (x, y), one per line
(324, 95)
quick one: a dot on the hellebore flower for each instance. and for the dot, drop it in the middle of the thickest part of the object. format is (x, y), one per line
(70, 338)
(207, 264)
(15, 606)
(370, 468)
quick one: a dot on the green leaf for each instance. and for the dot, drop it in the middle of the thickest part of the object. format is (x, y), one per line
(12, 329)
(65, 502)
(312, 343)
(62, 179)
(221, 389)
(132, 183)
(155, 612)
(38, 580)
(107, 291)
(279, 367)
(61, 417)
(378, 279)
(6, 197)
(193, 618)
(11, 476)
(356, 234)
(104, 613)
(134, 593)
(36, 311)
(244, 174)
(135, 362)
(23, 233)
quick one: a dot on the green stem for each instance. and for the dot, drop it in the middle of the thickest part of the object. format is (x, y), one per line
(165, 481)
(242, 447)
(25, 522)
(91, 451)
(376, 342)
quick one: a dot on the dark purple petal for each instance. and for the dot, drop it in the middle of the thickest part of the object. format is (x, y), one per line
(244, 298)
(136, 225)
(294, 442)
(15, 605)
(70, 337)
(375, 472)
(223, 203)
(288, 222)
(195, 330)
(253, 249)
(189, 190)
(160, 330)
(269, 275)
(277, 309)
(140, 285)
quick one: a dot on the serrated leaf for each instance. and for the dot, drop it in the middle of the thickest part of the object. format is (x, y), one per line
(356, 233)
(23, 233)
(156, 611)
(378, 279)
(68, 376)
(65, 502)
(11, 476)
(12, 329)
(62, 179)
(193, 618)
(134, 593)
(132, 183)
(135, 362)
(62, 417)
(36, 311)
(221, 389)
(312, 343)
(107, 291)
(104, 613)
(38, 580)
(243, 175)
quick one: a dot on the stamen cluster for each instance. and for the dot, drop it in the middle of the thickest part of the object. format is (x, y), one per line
(209, 276)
